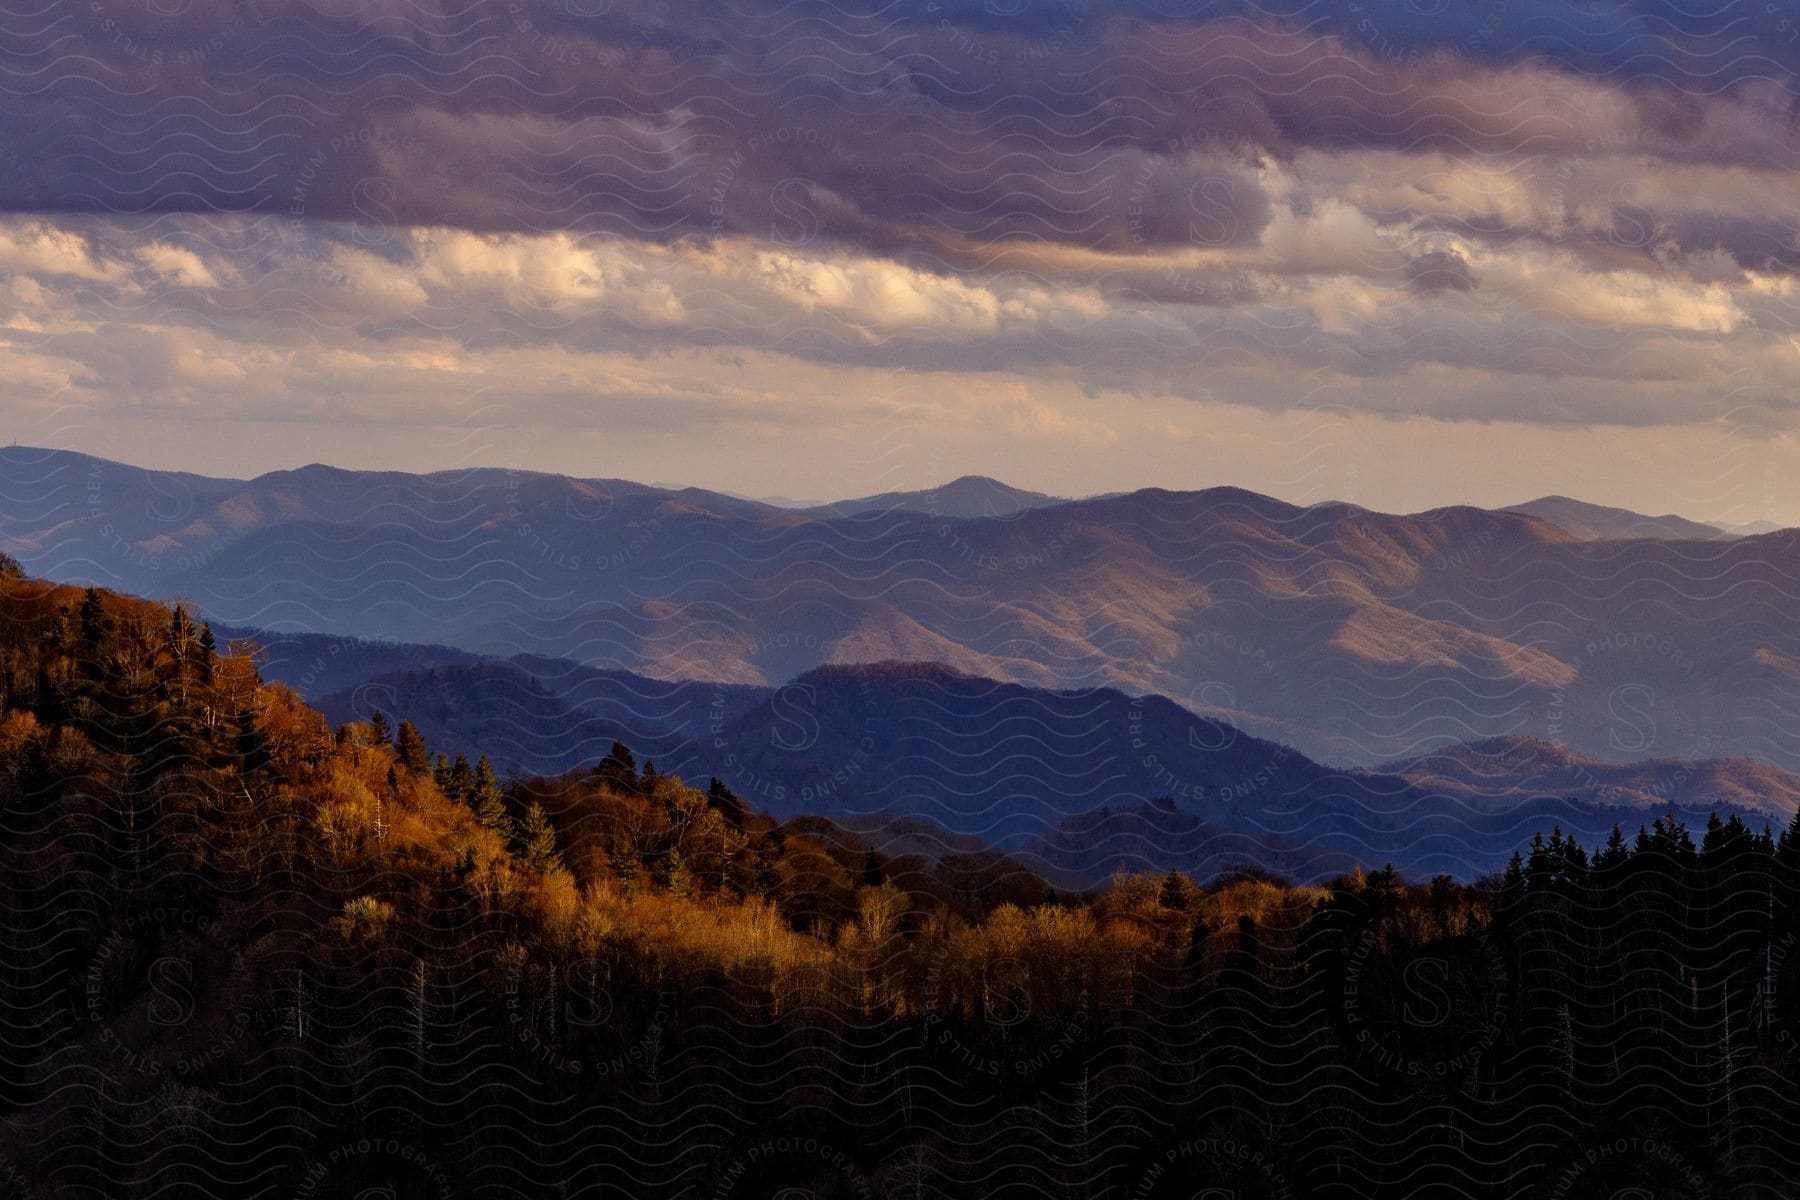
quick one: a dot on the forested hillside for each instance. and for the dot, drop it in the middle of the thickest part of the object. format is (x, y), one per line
(1078, 784)
(249, 951)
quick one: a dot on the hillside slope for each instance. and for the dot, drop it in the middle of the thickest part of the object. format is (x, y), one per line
(1357, 637)
(1079, 782)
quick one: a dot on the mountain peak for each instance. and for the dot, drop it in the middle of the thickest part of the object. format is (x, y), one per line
(1599, 522)
(966, 497)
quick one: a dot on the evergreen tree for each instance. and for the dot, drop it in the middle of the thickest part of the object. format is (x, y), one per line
(1787, 849)
(1615, 853)
(461, 780)
(384, 732)
(409, 748)
(94, 622)
(488, 801)
(1512, 882)
(537, 840)
(727, 802)
(94, 625)
(1173, 895)
(619, 768)
(871, 872)
(252, 745)
(626, 865)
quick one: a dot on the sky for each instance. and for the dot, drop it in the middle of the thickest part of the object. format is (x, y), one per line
(1399, 252)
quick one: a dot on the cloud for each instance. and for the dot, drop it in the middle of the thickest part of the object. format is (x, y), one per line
(1500, 213)
(1440, 271)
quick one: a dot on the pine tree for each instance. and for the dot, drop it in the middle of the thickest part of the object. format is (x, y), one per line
(871, 872)
(94, 622)
(1512, 882)
(1173, 895)
(627, 866)
(1616, 851)
(409, 748)
(619, 768)
(384, 732)
(94, 627)
(252, 744)
(209, 651)
(488, 800)
(728, 803)
(537, 840)
(460, 780)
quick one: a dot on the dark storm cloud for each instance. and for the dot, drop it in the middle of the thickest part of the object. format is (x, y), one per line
(1440, 271)
(938, 130)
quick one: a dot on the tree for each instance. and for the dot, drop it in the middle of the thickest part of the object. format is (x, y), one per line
(765, 880)
(1173, 895)
(94, 622)
(537, 840)
(379, 723)
(10, 568)
(1195, 959)
(1789, 845)
(95, 626)
(460, 780)
(251, 744)
(727, 802)
(619, 768)
(680, 879)
(409, 748)
(488, 800)
(1615, 853)
(872, 876)
(626, 865)
(1512, 881)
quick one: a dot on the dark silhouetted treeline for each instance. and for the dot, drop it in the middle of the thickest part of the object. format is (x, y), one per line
(245, 953)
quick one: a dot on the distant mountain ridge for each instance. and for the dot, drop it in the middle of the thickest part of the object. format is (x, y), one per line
(1355, 636)
(1078, 783)
(1597, 522)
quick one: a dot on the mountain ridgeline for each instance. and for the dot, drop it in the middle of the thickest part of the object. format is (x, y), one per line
(1358, 638)
(1079, 783)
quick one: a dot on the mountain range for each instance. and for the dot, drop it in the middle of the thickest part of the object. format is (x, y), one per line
(1354, 636)
(1076, 783)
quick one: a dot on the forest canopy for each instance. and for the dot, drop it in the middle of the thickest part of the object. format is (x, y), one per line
(240, 940)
